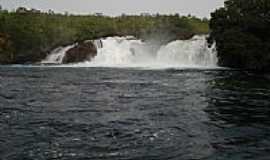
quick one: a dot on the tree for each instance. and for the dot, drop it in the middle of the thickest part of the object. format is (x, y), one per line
(241, 32)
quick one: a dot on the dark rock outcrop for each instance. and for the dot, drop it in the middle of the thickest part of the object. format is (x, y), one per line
(184, 36)
(81, 52)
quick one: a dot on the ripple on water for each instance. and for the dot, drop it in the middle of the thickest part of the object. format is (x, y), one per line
(104, 113)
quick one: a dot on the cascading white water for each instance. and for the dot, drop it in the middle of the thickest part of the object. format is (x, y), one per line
(57, 55)
(122, 52)
(129, 52)
(193, 52)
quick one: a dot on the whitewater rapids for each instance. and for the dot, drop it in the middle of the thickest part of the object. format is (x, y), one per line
(130, 52)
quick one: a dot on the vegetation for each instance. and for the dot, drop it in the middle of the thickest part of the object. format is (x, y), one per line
(242, 35)
(28, 35)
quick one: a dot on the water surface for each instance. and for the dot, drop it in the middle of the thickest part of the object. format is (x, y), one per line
(121, 114)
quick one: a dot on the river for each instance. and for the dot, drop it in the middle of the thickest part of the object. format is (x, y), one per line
(133, 113)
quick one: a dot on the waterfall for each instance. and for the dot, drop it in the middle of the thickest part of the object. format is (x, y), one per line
(122, 51)
(193, 52)
(131, 52)
(57, 55)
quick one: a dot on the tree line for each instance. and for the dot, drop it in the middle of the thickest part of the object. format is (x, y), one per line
(27, 35)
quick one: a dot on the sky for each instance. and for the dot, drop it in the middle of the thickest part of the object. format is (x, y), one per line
(200, 8)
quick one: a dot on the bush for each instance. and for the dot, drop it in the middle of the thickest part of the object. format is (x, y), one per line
(242, 35)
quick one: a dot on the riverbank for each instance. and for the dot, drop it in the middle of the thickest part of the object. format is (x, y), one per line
(28, 37)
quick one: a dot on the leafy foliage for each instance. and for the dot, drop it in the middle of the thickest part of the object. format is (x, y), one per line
(32, 34)
(241, 32)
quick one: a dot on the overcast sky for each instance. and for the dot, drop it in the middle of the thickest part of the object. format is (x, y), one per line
(201, 8)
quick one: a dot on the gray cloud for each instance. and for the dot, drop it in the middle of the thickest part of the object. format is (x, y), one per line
(200, 8)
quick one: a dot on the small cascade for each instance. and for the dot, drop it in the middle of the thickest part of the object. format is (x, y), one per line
(57, 55)
(98, 43)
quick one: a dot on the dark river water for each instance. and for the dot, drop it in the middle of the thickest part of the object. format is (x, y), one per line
(133, 114)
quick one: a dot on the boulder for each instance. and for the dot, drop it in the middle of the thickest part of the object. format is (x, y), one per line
(184, 36)
(83, 51)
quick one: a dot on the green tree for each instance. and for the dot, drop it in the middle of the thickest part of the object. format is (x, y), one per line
(241, 32)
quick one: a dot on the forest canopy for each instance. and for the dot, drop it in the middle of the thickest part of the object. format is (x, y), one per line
(242, 35)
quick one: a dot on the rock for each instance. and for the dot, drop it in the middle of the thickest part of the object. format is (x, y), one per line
(83, 51)
(184, 36)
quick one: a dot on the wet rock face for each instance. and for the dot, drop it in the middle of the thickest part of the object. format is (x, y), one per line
(184, 36)
(82, 52)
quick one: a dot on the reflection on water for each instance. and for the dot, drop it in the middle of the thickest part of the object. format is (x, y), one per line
(96, 113)
(240, 115)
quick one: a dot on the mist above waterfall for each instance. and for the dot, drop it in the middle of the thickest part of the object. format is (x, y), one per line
(131, 52)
